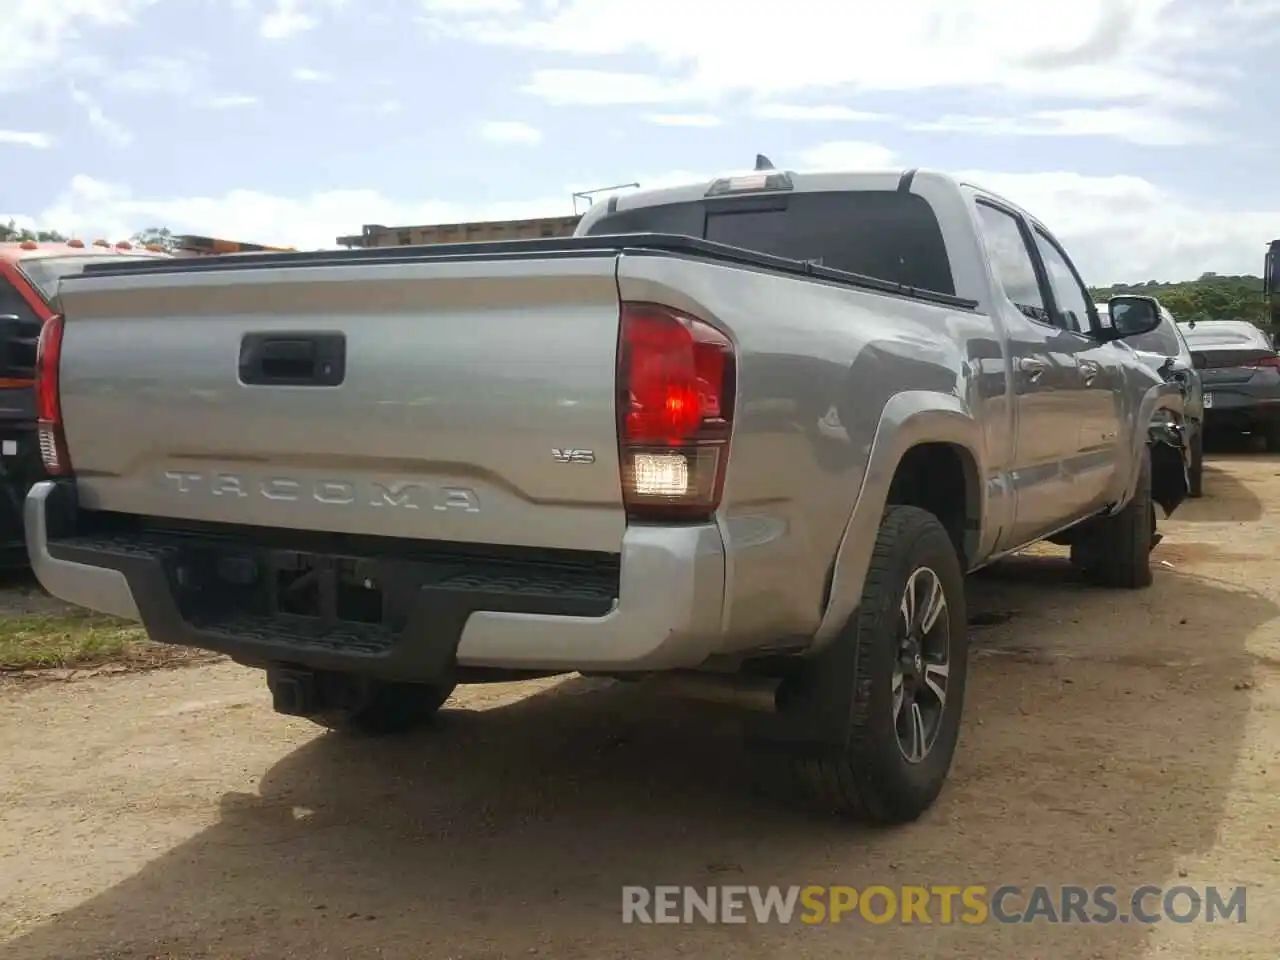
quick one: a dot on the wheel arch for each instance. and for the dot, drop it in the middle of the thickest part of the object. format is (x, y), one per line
(918, 431)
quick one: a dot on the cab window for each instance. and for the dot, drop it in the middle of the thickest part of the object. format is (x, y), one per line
(1069, 294)
(1011, 261)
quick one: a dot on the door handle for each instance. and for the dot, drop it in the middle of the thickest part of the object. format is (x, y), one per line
(294, 359)
(1088, 370)
(1033, 367)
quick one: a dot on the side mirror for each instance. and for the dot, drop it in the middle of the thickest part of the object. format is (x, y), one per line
(1131, 316)
(1198, 361)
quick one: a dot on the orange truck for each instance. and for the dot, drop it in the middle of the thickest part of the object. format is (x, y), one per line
(29, 276)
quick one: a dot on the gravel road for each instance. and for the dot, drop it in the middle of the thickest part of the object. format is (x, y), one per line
(1120, 738)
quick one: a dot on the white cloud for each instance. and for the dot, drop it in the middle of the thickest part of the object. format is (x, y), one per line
(1147, 127)
(510, 131)
(307, 75)
(286, 20)
(153, 74)
(1124, 228)
(25, 138)
(471, 6)
(820, 113)
(40, 36)
(848, 155)
(599, 88)
(1096, 50)
(229, 101)
(109, 129)
(683, 119)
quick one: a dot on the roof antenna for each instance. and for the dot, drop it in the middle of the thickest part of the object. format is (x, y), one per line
(764, 163)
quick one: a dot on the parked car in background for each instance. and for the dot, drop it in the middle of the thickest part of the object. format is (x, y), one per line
(1166, 351)
(1240, 370)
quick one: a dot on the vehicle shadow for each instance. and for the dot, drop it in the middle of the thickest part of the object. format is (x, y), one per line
(509, 832)
(1226, 497)
(1233, 442)
(18, 578)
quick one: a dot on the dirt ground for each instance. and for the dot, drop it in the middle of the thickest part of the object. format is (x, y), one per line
(1110, 738)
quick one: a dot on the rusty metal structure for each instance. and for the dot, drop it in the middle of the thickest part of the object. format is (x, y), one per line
(191, 245)
(377, 235)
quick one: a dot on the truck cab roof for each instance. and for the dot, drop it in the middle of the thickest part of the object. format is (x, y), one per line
(789, 181)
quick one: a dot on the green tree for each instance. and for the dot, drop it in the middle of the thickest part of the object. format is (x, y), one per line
(1211, 297)
(12, 232)
(161, 236)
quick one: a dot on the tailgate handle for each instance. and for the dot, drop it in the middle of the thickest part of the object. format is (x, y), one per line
(294, 360)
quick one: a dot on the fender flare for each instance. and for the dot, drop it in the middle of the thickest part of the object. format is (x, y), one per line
(1160, 396)
(908, 419)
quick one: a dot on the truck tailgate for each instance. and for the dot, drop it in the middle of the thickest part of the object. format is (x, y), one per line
(463, 385)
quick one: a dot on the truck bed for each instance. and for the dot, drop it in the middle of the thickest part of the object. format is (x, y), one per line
(469, 395)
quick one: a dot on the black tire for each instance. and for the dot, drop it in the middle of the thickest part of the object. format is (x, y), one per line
(360, 706)
(1271, 436)
(1195, 474)
(1115, 551)
(846, 698)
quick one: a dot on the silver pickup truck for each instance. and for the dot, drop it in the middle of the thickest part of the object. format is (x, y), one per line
(742, 439)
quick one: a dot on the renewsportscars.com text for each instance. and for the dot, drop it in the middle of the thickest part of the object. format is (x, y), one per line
(972, 904)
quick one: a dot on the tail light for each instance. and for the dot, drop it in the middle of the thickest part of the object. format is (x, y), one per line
(53, 443)
(1272, 362)
(676, 385)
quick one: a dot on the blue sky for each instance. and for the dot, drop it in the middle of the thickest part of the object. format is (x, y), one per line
(1139, 130)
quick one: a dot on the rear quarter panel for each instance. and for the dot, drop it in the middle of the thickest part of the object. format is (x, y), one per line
(818, 367)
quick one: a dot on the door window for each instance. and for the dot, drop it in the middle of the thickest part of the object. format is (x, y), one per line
(1011, 261)
(1069, 294)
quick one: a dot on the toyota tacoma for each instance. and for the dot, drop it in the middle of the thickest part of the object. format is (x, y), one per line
(745, 437)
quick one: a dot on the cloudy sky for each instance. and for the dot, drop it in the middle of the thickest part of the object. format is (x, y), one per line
(1142, 131)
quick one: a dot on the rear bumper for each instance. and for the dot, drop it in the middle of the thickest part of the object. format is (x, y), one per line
(1236, 408)
(658, 607)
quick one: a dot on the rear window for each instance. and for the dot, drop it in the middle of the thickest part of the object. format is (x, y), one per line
(878, 233)
(1226, 334)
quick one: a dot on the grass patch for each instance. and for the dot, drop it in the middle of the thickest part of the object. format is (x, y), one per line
(79, 639)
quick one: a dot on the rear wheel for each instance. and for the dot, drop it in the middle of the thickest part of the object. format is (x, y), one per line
(883, 702)
(1271, 436)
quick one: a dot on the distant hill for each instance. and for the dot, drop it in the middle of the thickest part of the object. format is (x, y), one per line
(1212, 297)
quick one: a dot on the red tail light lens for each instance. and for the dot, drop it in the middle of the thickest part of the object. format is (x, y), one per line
(1272, 362)
(676, 384)
(53, 444)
